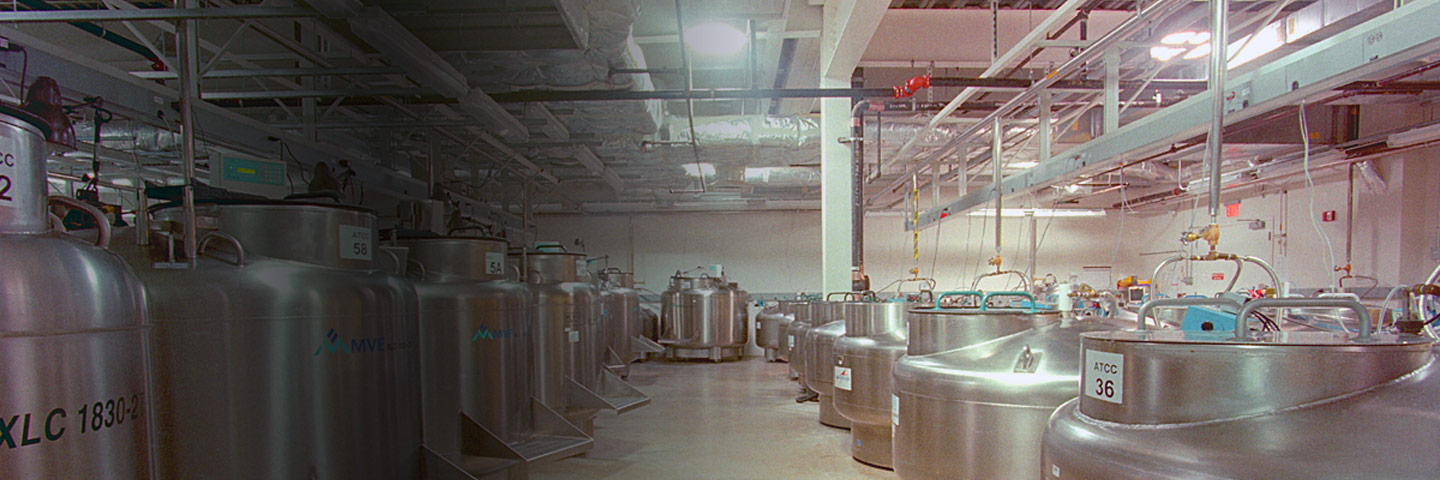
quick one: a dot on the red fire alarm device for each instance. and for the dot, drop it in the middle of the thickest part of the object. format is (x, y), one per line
(1232, 210)
(1327, 216)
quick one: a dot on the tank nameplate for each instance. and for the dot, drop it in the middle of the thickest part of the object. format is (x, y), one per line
(494, 263)
(7, 172)
(574, 335)
(355, 242)
(34, 428)
(843, 378)
(1105, 376)
(789, 341)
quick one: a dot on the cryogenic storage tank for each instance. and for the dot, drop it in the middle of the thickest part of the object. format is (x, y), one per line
(1276, 405)
(286, 352)
(978, 385)
(476, 355)
(621, 319)
(874, 340)
(819, 370)
(795, 340)
(771, 326)
(707, 319)
(569, 339)
(74, 397)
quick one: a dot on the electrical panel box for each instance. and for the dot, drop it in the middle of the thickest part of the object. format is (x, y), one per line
(244, 174)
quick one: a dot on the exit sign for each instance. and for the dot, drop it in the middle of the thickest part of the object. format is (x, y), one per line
(1217, 276)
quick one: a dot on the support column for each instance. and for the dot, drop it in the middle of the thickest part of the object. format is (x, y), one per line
(835, 192)
(1043, 131)
(1112, 91)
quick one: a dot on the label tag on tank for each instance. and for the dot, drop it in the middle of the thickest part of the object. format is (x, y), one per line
(789, 341)
(1105, 376)
(8, 172)
(842, 378)
(574, 336)
(354, 242)
(894, 409)
(494, 263)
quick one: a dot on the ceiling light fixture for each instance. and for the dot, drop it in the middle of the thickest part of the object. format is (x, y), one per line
(1179, 38)
(714, 38)
(1198, 52)
(1164, 54)
(695, 169)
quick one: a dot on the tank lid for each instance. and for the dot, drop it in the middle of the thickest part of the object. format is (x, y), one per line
(265, 203)
(27, 117)
(422, 236)
(1287, 338)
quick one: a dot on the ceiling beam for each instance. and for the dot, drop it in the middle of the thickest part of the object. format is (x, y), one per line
(108, 15)
(850, 24)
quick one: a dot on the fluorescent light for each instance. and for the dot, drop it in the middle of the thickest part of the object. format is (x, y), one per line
(1164, 54)
(1029, 164)
(1179, 38)
(1198, 52)
(694, 170)
(714, 38)
(1040, 212)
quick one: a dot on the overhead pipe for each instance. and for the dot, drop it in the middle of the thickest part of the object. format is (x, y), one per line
(98, 31)
(902, 91)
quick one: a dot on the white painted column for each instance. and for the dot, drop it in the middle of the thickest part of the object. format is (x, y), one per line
(835, 177)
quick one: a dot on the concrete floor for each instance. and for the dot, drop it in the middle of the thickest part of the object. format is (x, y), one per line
(735, 420)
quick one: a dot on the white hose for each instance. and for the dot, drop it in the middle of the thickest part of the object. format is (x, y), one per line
(1310, 197)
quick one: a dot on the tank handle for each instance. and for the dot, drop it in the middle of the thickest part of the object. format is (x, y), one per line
(985, 300)
(416, 263)
(103, 240)
(847, 296)
(239, 249)
(1241, 319)
(958, 293)
(1179, 302)
(394, 257)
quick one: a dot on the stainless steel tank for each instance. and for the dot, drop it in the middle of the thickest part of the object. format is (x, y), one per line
(1278, 405)
(73, 396)
(286, 352)
(620, 319)
(770, 330)
(709, 322)
(795, 339)
(875, 338)
(476, 358)
(820, 370)
(977, 385)
(570, 340)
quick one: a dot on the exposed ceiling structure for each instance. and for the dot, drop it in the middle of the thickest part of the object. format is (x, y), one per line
(581, 106)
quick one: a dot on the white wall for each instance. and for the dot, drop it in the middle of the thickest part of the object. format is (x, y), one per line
(780, 251)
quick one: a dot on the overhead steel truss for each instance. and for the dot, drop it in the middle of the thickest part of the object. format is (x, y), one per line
(1404, 35)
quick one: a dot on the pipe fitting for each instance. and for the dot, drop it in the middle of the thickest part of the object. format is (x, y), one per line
(911, 86)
